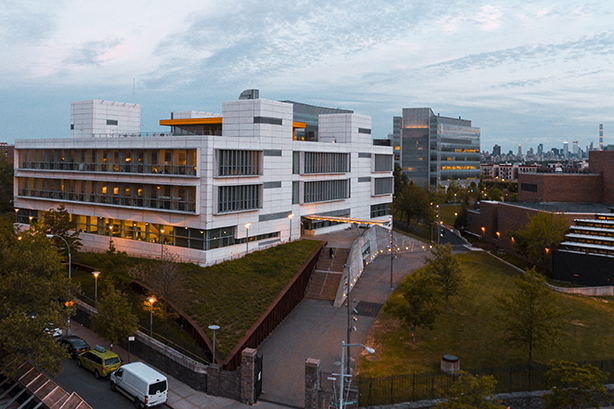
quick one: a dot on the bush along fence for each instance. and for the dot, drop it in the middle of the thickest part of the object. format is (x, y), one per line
(409, 388)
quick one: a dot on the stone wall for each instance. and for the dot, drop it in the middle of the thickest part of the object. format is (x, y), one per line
(237, 385)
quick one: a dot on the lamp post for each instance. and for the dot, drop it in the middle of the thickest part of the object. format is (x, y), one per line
(290, 216)
(391, 252)
(342, 376)
(151, 300)
(161, 243)
(247, 237)
(96, 274)
(49, 236)
(214, 328)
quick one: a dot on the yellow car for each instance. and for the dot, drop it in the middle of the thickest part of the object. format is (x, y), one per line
(99, 361)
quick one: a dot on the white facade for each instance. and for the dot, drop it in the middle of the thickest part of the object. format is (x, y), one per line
(104, 118)
(194, 195)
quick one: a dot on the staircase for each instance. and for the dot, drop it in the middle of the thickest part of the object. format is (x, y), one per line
(327, 275)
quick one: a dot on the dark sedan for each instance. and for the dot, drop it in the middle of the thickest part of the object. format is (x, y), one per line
(74, 345)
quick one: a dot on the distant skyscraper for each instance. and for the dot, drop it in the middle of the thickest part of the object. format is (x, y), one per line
(565, 149)
(575, 148)
(496, 150)
(600, 137)
(519, 151)
(540, 149)
(396, 138)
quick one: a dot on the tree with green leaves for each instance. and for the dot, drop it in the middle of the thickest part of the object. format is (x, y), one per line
(541, 235)
(446, 271)
(33, 292)
(462, 218)
(415, 303)
(58, 222)
(495, 194)
(6, 184)
(471, 392)
(115, 320)
(529, 316)
(573, 386)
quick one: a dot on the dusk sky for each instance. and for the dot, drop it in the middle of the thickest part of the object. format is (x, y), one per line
(524, 72)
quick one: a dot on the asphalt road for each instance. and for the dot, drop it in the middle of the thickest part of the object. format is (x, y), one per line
(96, 392)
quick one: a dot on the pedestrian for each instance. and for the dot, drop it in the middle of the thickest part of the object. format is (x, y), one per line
(330, 252)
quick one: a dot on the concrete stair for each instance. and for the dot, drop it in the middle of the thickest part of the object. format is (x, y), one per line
(327, 275)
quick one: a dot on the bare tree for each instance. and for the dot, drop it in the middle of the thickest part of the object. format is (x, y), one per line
(164, 280)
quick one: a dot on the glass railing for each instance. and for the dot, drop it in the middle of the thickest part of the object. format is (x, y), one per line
(174, 204)
(183, 170)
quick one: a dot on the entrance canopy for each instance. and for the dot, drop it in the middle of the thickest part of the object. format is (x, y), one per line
(339, 219)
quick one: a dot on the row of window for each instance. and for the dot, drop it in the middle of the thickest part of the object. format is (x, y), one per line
(383, 186)
(188, 237)
(166, 161)
(166, 197)
(238, 163)
(326, 190)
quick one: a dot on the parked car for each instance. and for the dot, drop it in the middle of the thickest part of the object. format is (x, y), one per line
(74, 345)
(145, 386)
(99, 361)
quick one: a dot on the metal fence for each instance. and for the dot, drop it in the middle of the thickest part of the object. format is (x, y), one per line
(407, 388)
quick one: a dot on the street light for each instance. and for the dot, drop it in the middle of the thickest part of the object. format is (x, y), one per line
(247, 237)
(49, 236)
(214, 328)
(96, 274)
(161, 243)
(391, 251)
(342, 375)
(151, 300)
(290, 216)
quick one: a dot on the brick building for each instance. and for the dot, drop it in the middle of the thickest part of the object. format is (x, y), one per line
(576, 196)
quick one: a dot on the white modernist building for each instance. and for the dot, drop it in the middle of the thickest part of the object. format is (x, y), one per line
(212, 188)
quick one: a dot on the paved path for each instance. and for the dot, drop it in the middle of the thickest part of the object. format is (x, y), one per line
(315, 328)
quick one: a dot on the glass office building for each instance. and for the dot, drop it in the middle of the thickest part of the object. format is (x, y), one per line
(437, 150)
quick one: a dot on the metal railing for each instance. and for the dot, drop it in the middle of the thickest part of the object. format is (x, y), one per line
(138, 168)
(407, 388)
(150, 203)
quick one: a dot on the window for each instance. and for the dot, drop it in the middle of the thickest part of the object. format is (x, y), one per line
(111, 121)
(379, 210)
(383, 163)
(326, 190)
(238, 198)
(325, 162)
(383, 186)
(238, 163)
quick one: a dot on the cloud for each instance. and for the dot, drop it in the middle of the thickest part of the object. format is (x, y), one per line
(24, 22)
(90, 53)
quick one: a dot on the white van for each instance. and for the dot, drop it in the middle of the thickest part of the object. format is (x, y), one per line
(144, 385)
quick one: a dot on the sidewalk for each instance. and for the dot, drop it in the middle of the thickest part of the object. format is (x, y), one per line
(180, 396)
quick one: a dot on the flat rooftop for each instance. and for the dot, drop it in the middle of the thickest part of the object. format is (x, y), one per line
(567, 207)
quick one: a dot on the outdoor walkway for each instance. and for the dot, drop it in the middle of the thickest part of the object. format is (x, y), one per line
(315, 328)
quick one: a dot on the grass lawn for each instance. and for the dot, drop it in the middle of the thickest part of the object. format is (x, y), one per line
(447, 213)
(469, 329)
(232, 295)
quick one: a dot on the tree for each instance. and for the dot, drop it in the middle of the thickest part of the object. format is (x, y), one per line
(416, 304)
(495, 194)
(529, 316)
(574, 386)
(445, 270)
(462, 218)
(32, 296)
(58, 223)
(165, 281)
(471, 392)
(6, 184)
(541, 235)
(115, 320)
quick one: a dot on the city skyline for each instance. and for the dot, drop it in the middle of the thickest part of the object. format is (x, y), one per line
(507, 67)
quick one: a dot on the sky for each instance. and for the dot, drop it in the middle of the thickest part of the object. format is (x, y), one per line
(523, 72)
